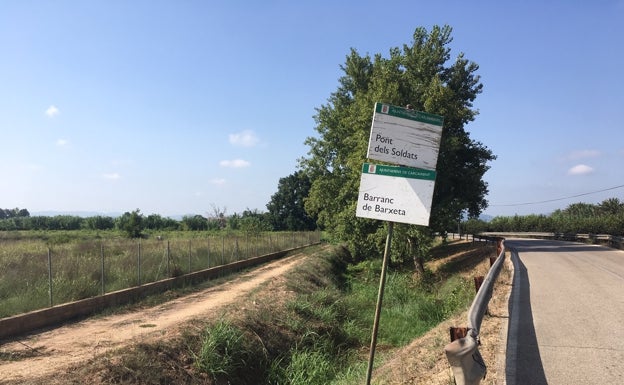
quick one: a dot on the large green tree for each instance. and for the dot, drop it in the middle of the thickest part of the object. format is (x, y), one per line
(286, 208)
(131, 223)
(422, 75)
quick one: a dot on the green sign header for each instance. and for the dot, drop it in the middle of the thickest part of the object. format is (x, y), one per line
(404, 113)
(398, 171)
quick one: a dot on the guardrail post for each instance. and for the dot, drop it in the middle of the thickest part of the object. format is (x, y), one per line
(492, 260)
(478, 281)
(457, 333)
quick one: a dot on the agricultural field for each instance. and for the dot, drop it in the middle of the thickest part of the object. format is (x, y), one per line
(41, 269)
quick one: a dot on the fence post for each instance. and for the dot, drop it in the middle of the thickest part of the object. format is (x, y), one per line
(139, 266)
(50, 276)
(102, 260)
(223, 250)
(190, 256)
(168, 256)
(208, 252)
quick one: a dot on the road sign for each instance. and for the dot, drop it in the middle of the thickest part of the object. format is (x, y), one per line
(393, 193)
(405, 137)
(396, 194)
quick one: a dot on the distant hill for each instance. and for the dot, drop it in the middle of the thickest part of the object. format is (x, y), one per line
(83, 214)
(87, 214)
(485, 217)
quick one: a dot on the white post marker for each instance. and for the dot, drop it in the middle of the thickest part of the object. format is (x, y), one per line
(405, 137)
(396, 194)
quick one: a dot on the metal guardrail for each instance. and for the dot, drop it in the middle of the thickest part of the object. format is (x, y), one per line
(613, 241)
(463, 353)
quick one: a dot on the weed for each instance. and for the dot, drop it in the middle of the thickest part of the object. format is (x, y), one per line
(310, 367)
(221, 351)
(226, 350)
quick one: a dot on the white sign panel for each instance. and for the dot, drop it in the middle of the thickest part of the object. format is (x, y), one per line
(405, 137)
(396, 194)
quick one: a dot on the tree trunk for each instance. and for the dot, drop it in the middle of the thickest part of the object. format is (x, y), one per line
(419, 261)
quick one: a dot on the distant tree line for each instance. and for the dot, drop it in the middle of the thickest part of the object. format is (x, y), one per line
(135, 223)
(285, 213)
(14, 213)
(606, 217)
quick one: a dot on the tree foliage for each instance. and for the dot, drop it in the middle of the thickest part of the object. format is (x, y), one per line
(194, 223)
(14, 213)
(131, 223)
(254, 221)
(421, 75)
(286, 208)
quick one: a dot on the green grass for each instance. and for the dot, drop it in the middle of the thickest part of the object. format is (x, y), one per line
(409, 308)
(319, 335)
(226, 352)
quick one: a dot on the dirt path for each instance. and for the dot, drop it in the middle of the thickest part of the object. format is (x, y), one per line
(55, 350)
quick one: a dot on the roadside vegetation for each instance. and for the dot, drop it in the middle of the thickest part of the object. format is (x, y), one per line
(311, 328)
(606, 217)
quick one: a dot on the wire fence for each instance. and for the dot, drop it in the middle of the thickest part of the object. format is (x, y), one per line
(34, 275)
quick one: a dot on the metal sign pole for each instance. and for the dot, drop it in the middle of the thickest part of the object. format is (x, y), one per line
(382, 284)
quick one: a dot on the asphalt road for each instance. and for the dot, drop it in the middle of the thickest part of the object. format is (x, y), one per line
(566, 323)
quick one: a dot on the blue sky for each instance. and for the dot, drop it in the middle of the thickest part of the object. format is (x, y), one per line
(178, 107)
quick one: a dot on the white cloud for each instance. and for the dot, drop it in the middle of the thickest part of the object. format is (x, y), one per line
(111, 176)
(218, 181)
(583, 154)
(34, 167)
(246, 138)
(580, 169)
(62, 142)
(52, 111)
(235, 163)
